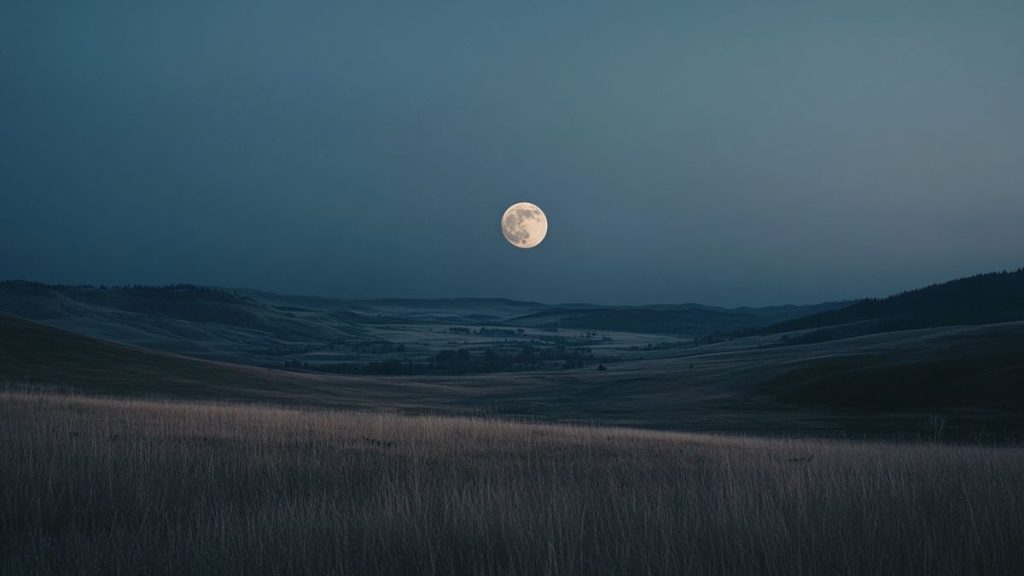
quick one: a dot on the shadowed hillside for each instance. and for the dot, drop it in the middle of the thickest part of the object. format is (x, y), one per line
(187, 319)
(347, 336)
(688, 319)
(886, 383)
(981, 299)
(32, 353)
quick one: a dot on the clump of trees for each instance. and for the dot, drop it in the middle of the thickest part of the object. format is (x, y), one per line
(662, 345)
(463, 361)
(487, 331)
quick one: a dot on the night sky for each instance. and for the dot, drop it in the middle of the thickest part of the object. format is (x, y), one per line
(724, 153)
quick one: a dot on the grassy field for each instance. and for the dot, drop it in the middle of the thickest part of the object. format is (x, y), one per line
(100, 486)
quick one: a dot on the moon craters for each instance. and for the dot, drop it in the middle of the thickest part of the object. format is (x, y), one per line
(524, 225)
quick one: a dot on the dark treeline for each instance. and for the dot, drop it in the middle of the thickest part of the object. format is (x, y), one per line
(372, 347)
(487, 331)
(980, 299)
(464, 361)
(164, 290)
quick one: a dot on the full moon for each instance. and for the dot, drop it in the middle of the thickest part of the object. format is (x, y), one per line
(524, 225)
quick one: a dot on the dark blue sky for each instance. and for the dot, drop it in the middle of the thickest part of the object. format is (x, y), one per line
(719, 152)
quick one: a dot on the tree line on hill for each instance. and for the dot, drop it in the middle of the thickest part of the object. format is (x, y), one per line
(980, 299)
(463, 361)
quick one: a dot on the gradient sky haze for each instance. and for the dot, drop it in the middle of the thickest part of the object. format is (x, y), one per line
(717, 152)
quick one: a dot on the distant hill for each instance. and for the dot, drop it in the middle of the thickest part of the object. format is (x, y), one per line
(35, 353)
(878, 383)
(684, 319)
(194, 320)
(266, 329)
(981, 299)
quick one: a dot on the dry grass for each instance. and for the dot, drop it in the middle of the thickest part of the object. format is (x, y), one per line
(92, 486)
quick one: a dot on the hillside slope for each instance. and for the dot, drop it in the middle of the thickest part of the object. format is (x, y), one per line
(686, 319)
(264, 329)
(883, 382)
(982, 299)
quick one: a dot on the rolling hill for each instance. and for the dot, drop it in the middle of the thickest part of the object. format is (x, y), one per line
(685, 319)
(264, 329)
(980, 299)
(873, 384)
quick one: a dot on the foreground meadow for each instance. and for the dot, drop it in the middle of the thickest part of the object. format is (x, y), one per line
(100, 486)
